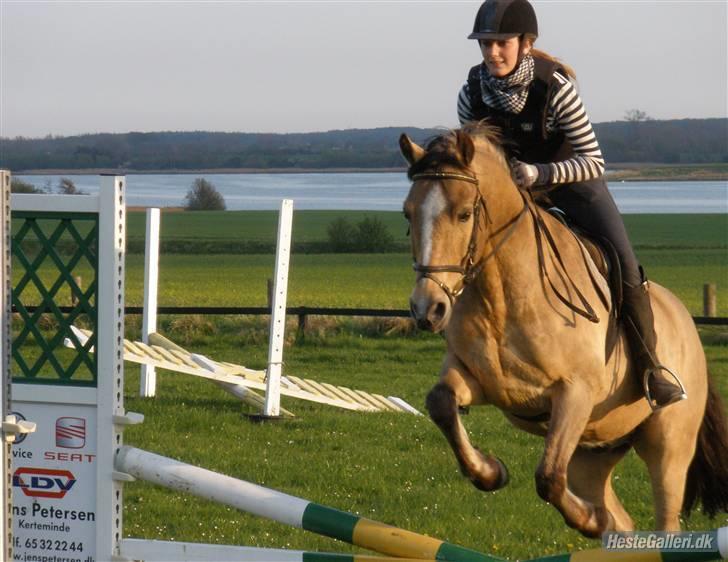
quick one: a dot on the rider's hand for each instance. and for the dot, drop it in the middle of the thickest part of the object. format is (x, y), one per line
(525, 175)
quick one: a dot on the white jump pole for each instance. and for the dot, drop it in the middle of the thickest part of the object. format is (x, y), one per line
(5, 346)
(210, 485)
(148, 381)
(272, 406)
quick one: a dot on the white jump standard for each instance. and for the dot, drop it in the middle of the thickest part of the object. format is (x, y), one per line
(155, 351)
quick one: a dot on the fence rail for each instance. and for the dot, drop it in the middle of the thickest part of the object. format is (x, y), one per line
(304, 311)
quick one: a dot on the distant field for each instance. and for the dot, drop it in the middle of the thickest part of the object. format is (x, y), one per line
(672, 231)
(646, 172)
(366, 280)
(377, 281)
(258, 226)
(681, 252)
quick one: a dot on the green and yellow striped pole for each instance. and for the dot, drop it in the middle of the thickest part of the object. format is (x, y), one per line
(290, 510)
(330, 557)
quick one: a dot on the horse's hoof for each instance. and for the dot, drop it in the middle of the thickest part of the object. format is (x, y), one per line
(603, 522)
(492, 484)
(505, 477)
(607, 523)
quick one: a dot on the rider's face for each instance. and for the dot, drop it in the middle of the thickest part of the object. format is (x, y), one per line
(501, 55)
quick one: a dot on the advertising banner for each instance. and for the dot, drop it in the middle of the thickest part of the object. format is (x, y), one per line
(54, 484)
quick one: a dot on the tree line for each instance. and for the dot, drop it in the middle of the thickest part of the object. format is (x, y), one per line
(634, 140)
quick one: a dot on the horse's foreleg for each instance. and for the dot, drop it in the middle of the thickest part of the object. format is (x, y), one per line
(571, 406)
(485, 472)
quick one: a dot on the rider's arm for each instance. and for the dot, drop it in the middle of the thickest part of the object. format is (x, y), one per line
(566, 113)
(465, 113)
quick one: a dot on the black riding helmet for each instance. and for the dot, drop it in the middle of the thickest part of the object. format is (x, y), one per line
(503, 19)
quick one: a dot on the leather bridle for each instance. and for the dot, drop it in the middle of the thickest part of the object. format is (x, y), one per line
(468, 268)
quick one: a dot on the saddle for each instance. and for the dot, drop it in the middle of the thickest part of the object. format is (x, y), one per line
(602, 253)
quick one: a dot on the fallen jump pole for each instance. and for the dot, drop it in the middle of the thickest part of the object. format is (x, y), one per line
(290, 510)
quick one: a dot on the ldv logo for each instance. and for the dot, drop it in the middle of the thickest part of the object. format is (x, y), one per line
(43, 482)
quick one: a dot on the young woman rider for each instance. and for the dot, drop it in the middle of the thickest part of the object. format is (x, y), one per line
(550, 141)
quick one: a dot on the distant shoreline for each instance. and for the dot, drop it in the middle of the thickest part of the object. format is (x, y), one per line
(208, 171)
(617, 172)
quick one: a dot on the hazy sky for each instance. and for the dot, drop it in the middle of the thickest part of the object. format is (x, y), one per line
(81, 67)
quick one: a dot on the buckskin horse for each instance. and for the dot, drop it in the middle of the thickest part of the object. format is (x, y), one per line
(527, 321)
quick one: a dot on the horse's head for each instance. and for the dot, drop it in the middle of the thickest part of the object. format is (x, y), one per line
(448, 215)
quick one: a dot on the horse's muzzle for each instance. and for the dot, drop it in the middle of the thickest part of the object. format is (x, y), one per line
(431, 313)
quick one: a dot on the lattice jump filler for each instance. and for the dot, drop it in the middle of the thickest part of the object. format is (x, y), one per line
(39, 247)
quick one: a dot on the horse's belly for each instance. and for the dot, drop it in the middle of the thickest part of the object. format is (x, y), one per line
(619, 423)
(612, 430)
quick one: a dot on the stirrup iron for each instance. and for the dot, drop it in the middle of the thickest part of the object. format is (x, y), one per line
(645, 383)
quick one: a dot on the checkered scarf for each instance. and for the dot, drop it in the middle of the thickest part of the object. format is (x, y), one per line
(508, 93)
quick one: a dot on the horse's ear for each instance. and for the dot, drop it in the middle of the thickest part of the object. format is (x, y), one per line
(466, 148)
(410, 150)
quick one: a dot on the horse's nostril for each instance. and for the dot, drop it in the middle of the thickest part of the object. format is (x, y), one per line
(439, 312)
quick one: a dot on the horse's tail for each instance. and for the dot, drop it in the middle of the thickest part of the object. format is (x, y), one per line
(707, 480)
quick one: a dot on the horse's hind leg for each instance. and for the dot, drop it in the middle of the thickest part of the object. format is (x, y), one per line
(666, 443)
(485, 472)
(590, 477)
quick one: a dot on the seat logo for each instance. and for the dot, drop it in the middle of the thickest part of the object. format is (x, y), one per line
(70, 433)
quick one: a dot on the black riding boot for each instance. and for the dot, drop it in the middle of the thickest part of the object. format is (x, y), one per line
(662, 387)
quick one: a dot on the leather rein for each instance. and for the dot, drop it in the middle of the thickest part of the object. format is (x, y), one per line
(469, 268)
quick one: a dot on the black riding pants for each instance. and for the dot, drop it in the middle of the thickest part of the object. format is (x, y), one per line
(590, 206)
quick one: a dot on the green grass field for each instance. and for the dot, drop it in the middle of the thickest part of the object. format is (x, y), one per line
(389, 467)
(393, 468)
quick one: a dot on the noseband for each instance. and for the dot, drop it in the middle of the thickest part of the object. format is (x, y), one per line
(468, 269)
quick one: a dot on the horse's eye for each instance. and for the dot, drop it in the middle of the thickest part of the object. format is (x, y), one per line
(465, 216)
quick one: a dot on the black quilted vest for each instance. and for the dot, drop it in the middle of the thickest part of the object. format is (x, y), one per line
(524, 134)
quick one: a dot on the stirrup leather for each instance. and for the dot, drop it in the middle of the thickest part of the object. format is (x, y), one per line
(645, 383)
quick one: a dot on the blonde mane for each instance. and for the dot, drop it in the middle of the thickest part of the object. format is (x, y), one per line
(490, 139)
(443, 150)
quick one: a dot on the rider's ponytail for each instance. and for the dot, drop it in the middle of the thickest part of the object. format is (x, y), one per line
(543, 55)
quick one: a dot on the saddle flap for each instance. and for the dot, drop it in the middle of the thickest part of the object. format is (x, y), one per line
(602, 253)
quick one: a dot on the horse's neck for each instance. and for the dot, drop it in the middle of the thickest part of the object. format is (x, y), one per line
(513, 271)
(511, 268)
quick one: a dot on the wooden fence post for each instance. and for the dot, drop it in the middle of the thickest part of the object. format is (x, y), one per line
(709, 300)
(79, 282)
(302, 322)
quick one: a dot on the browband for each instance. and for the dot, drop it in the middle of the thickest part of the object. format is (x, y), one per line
(445, 176)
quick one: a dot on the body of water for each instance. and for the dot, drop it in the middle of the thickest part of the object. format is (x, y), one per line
(372, 191)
